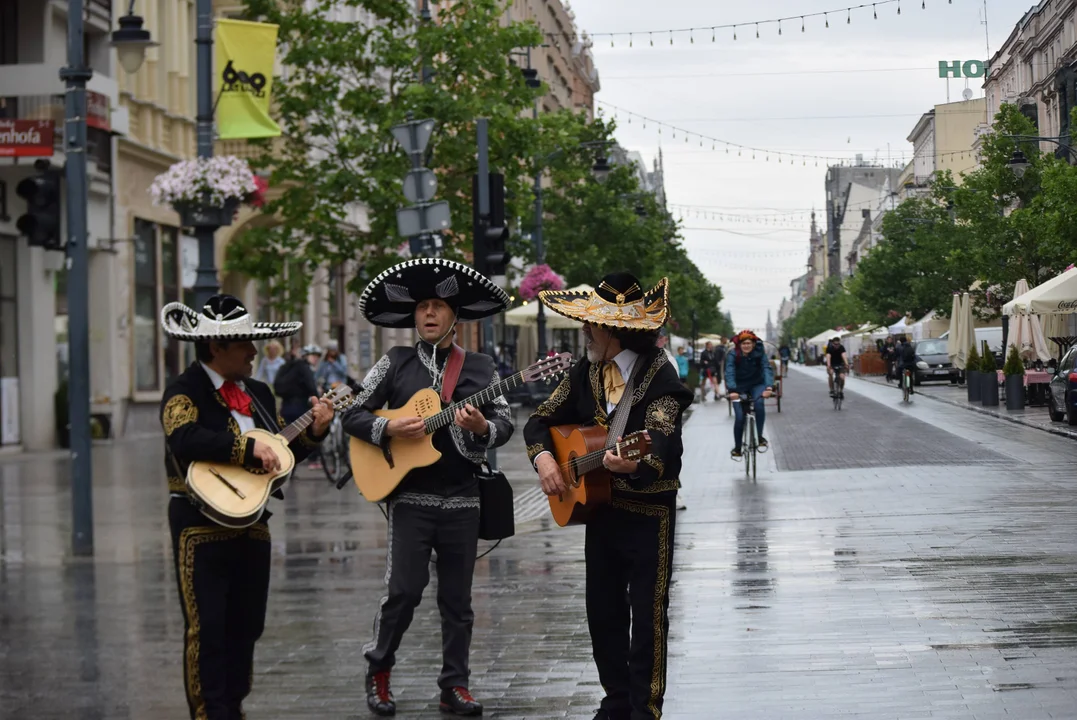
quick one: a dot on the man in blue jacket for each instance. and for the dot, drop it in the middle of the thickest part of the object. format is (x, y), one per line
(748, 372)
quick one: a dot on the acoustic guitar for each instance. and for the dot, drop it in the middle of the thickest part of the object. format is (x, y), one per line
(379, 469)
(579, 451)
(232, 495)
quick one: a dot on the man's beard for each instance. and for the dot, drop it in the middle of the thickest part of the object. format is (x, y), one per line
(593, 353)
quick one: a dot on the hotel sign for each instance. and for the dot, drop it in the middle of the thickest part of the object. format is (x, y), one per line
(957, 68)
(26, 138)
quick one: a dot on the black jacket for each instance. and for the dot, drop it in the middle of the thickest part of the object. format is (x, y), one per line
(295, 382)
(658, 401)
(393, 380)
(199, 426)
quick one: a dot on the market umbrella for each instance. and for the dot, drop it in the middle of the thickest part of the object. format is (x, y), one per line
(968, 331)
(1054, 326)
(1026, 334)
(953, 340)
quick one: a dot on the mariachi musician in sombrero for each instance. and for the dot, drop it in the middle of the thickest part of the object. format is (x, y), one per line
(435, 507)
(222, 572)
(629, 542)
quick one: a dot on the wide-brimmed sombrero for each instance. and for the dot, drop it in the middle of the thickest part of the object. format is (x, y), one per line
(618, 302)
(391, 297)
(223, 318)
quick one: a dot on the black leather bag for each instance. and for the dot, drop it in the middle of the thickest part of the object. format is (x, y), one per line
(496, 510)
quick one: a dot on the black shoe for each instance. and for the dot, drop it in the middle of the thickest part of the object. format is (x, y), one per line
(458, 701)
(379, 696)
(611, 715)
(736, 454)
(763, 444)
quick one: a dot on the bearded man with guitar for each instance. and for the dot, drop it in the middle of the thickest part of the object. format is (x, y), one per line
(209, 414)
(435, 506)
(627, 386)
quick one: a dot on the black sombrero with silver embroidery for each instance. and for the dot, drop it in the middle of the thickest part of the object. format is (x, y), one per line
(223, 318)
(390, 298)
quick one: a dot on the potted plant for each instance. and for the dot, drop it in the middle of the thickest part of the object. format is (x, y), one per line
(972, 374)
(206, 192)
(988, 378)
(1014, 370)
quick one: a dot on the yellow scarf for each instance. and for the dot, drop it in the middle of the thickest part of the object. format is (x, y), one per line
(613, 383)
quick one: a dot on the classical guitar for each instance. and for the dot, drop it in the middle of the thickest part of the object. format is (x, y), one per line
(234, 496)
(579, 452)
(379, 469)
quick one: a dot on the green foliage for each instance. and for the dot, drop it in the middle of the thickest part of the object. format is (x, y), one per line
(831, 307)
(341, 172)
(1013, 365)
(987, 360)
(973, 361)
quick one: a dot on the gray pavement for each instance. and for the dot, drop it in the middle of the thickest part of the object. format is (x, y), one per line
(890, 562)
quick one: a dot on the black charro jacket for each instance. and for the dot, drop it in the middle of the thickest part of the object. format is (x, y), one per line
(658, 401)
(199, 426)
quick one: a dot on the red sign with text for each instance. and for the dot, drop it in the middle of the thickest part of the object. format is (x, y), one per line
(26, 138)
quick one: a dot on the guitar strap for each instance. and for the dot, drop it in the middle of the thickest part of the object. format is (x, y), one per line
(453, 366)
(620, 413)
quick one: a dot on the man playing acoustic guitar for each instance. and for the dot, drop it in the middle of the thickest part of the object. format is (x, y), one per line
(435, 507)
(222, 572)
(629, 543)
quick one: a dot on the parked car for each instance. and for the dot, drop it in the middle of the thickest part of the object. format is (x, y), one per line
(1062, 395)
(993, 336)
(932, 362)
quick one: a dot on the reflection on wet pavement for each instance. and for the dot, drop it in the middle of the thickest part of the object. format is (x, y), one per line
(856, 588)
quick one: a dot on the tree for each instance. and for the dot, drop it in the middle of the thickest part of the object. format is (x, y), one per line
(831, 307)
(347, 84)
(596, 227)
(921, 260)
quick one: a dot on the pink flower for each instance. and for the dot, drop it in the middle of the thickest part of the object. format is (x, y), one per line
(539, 278)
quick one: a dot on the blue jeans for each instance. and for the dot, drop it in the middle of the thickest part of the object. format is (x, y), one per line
(760, 413)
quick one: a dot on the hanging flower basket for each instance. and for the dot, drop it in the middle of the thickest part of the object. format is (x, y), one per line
(539, 278)
(206, 192)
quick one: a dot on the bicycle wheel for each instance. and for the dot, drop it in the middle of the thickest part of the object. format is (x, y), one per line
(754, 453)
(749, 442)
(331, 454)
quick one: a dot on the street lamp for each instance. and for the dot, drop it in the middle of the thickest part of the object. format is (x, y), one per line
(131, 41)
(601, 169)
(1019, 164)
(75, 76)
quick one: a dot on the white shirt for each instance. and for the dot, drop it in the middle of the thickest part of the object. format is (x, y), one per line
(245, 422)
(626, 361)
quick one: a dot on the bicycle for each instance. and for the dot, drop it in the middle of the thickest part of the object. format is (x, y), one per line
(839, 387)
(906, 385)
(750, 442)
(334, 450)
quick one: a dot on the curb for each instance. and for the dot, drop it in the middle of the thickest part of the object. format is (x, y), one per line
(989, 413)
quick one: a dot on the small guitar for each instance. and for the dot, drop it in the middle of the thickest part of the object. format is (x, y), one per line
(579, 452)
(234, 496)
(378, 470)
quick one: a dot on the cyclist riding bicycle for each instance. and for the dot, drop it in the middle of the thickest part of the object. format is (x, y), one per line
(748, 372)
(906, 360)
(837, 362)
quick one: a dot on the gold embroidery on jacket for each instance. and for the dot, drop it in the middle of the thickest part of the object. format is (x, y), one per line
(556, 399)
(180, 410)
(662, 415)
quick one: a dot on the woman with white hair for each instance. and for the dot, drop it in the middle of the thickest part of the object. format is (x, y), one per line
(271, 363)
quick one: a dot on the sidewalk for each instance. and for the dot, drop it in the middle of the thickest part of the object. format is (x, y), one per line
(956, 395)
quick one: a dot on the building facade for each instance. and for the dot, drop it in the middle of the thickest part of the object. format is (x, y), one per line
(1036, 68)
(851, 193)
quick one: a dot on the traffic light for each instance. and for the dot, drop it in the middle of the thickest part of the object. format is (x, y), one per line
(491, 232)
(41, 223)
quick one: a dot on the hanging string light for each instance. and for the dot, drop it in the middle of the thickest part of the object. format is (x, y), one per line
(690, 31)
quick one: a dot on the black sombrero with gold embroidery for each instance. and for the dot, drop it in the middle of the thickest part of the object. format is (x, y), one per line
(391, 298)
(618, 302)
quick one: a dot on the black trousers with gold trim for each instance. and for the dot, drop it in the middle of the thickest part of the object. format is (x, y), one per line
(223, 579)
(629, 556)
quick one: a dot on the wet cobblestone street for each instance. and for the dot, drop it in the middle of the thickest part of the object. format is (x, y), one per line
(889, 562)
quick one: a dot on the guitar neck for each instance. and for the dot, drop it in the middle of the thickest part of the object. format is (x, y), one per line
(448, 415)
(291, 432)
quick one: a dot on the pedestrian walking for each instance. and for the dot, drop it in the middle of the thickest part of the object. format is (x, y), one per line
(271, 363)
(435, 508)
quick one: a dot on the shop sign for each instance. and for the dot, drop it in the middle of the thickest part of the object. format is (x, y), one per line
(26, 138)
(97, 111)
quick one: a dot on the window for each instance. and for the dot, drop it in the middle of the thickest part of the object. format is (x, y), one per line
(158, 268)
(9, 338)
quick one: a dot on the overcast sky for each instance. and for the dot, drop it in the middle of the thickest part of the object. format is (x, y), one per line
(856, 87)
